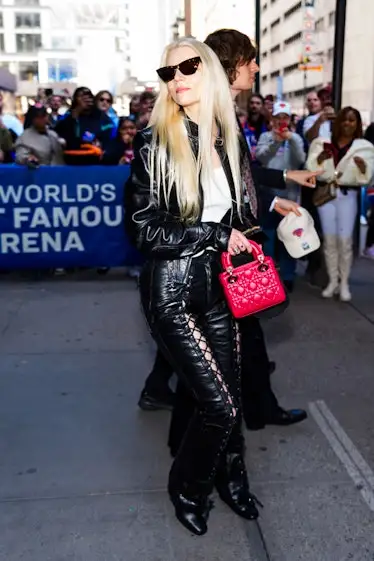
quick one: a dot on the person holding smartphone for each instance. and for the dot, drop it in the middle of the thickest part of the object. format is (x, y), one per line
(347, 163)
(279, 149)
(320, 124)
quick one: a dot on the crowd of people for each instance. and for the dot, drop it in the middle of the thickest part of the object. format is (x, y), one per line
(87, 132)
(323, 140)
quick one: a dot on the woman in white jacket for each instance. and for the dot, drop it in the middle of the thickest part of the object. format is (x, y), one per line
(347, 163)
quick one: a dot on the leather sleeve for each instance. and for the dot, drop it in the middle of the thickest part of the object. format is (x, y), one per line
(156, 232)
(267, 177)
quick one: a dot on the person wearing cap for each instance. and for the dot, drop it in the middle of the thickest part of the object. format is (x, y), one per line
(38, 145)
(280, 149)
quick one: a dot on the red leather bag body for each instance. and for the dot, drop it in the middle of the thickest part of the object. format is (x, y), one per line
(252, 287)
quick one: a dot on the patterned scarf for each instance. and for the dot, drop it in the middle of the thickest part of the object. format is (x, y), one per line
(250, 193)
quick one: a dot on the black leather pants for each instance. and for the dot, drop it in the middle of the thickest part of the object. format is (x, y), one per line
(196, 333)
(257, 397)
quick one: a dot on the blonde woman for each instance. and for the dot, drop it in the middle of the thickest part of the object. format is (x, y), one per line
(183, 200)
(348, 163)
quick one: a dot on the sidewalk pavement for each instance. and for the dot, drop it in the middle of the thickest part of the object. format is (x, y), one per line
(83, 472)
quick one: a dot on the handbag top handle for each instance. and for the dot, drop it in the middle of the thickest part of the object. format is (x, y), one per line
(256, 251)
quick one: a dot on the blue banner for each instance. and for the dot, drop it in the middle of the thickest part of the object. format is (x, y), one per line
(63, 217)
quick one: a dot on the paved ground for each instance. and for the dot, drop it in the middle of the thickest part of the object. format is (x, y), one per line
(83, 471)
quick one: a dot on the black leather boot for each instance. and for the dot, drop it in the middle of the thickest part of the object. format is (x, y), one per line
(232, 485)
(192, 506)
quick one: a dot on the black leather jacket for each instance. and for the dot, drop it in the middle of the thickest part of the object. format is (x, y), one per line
(159, 232)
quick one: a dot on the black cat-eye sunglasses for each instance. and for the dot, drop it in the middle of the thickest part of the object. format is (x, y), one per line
(187, 67)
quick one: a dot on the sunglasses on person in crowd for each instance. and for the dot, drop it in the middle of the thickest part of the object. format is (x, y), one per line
(107, 99)
(187, 68)
(85, 92)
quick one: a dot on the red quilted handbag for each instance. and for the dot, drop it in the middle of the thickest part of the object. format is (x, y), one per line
(253, 287)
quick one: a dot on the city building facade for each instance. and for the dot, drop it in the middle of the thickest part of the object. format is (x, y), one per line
(55, 44)
(358, 70)
(283, 27)
(209, 15)
(283, 33)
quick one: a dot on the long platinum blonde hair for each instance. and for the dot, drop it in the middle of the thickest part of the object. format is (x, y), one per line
(171, 159)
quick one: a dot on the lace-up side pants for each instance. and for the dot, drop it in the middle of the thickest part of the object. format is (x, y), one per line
(197, 334)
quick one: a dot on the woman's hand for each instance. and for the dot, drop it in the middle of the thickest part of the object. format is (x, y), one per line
(360, 163)
(284, 207)
(238, 243)
(303, 177)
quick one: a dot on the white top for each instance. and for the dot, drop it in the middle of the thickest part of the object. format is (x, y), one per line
(217, 197)
(346, 172)
(324, 129)
(11, 122)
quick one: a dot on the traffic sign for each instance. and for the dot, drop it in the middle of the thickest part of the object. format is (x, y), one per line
(307, 67)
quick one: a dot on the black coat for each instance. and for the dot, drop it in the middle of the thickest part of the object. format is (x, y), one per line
(73, 131)
(158, 231)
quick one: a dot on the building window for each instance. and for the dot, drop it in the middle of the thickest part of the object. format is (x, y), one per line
(275, 74)
(1, 20)
(291, 68)
(2, 46)
(292, 10)
(320, 24)
(275, 49)
(293, 38)
(264, 78)
(331, 18)
(264, 55)
(26, 3)
(28, 71)
(264, 7)
(264, 31)
(330, 53)
(27, 20)
(61, 70)
(275, 23)
(28, 42)
(303, 92)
